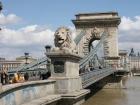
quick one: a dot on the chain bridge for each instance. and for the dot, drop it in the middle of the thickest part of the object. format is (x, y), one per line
(89, 27)
(103, 28)
(88, 78)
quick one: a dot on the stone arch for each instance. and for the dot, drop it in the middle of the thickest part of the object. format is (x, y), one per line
(91, 37)
(88, 21)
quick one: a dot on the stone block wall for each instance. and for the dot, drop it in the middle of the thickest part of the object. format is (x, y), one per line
(19, 93)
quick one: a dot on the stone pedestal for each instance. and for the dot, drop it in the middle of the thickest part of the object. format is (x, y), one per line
(65, 71)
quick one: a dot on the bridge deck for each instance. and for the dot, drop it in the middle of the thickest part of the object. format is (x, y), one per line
(91, 77)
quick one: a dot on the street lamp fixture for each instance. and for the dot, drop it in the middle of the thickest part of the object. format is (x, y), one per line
(48, 48)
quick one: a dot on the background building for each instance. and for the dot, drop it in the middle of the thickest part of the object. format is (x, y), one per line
(9, 64)
(12, 64)
(134, 59)
(124, 60)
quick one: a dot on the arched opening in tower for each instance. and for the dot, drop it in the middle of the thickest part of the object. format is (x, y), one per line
(99, 56)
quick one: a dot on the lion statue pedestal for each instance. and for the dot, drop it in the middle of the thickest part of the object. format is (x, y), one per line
(65, 68)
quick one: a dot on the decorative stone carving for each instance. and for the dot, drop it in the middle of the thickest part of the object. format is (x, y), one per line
(95, 32)
(63, 40)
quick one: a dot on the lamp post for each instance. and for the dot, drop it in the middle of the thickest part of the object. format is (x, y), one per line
(26, 57)
(48, 48)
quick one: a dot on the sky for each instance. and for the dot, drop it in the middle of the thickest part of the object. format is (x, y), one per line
(29, 25)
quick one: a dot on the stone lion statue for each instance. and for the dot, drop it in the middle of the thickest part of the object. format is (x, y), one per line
(63, 40)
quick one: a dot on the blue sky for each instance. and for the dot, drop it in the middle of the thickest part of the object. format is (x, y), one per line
(60, 12)
(29, 24)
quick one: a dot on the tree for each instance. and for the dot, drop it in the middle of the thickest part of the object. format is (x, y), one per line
(1, 6)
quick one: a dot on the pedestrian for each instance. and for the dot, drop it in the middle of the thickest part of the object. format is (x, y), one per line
(100, 67)
(18, 77)
(4, 76)
(46, 75)
(15, 78)
(26, 76)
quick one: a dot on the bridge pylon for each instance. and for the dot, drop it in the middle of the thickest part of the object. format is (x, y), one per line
(97, 23)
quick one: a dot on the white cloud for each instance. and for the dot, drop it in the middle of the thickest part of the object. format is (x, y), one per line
(26, 36)
(9, 19)
(73, 30)
(33, 38)
(129, 33)
(128, 23)
(30, 39)
(30, 28)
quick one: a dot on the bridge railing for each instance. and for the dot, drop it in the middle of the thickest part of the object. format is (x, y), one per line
(24, 93)
(91, 77)
(32, 65)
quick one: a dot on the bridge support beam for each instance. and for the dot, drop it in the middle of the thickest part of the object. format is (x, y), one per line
(65, 71)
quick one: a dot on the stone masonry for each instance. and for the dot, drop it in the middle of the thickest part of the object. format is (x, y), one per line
(102, 21)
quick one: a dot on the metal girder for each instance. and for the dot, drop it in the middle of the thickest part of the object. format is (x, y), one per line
(79, 36)
(32, 65)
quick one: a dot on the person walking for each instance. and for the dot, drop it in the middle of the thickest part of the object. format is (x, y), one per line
(18, 78)
(4, 76)
(26, 76)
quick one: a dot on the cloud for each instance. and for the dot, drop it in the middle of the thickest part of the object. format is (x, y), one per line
(33, 38)
(128, 45)
(30, 39)
(73, 30)
(26, 36)
(9, 19)
(129, 33)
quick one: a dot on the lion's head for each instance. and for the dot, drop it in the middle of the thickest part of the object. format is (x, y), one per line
(62, 37)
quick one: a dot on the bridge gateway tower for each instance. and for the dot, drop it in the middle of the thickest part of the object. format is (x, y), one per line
(101, 21)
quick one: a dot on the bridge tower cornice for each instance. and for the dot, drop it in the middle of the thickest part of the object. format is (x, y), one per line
(109, 22)
(107, 19)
